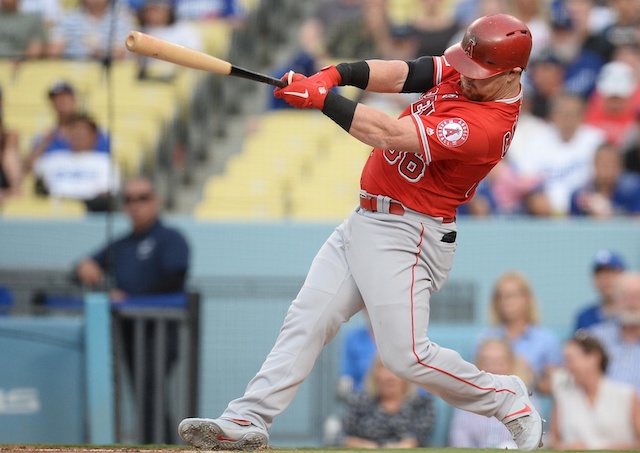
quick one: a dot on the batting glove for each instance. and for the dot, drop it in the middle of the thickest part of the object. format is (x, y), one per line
(329, 76)
(302, 92)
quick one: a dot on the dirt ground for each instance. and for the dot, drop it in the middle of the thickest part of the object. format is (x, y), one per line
(83, 449)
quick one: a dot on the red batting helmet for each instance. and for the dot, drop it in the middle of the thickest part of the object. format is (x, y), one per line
(491, 45)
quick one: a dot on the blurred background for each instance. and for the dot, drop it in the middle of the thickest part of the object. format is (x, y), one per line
(249, 189)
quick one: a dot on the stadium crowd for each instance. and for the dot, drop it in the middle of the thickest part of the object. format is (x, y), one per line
(576, 153)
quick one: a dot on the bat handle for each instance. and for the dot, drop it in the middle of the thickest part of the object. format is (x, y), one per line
(251, 75)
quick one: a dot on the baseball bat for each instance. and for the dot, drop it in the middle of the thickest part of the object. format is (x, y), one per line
(150, 46)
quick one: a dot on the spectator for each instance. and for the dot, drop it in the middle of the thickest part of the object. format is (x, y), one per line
(50, 9)
(624, 30)
(592, 412)
(92, 31)
(562, 157)
(151, 259)
(336, 29)
(80, 172)
(615, 102)
(198, 10)
(434, 29)
(65, 106)
(621, 335)
(22, 35)
(469, 430)
(514, 314)
(10, 165)
(568, 44)
(607, 267)
(611, 191)
(545, 78)
(388, 414)
(157, 18)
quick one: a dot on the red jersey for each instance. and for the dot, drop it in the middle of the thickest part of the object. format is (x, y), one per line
(461, 142)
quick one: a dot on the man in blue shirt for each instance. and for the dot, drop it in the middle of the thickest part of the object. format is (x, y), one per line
(607, 266)
(620, 335)
(151, 259)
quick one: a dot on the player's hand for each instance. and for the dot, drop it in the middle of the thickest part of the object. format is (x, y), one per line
(301, 92)
(329, 76)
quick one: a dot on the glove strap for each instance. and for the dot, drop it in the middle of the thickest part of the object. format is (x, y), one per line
(355, 74)
(340, 109)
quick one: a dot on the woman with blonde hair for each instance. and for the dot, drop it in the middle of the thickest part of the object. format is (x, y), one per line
(389, 413)
(515, 317)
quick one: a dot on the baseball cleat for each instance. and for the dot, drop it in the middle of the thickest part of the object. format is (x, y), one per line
(222, 434)
(523, 420)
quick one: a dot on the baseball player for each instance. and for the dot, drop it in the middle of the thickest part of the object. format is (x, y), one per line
(397, 247)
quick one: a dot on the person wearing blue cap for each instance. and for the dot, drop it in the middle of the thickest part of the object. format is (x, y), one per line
(607, 266)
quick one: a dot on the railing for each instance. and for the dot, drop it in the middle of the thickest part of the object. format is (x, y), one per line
(155, 344)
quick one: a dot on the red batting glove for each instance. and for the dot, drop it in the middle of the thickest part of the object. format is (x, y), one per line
(329, 76)
(302, 93)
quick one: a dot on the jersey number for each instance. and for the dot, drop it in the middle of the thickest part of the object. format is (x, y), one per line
(410, 165)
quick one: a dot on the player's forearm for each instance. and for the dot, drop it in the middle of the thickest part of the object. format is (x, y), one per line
(371, 126)
(379, 76)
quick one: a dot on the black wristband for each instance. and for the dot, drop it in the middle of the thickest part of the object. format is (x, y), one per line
(340, 109)
(355, 74)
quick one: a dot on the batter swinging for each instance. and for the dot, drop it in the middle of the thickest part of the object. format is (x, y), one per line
(398, 246)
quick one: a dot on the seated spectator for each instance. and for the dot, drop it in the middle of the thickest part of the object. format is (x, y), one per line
(429, 32)
(545, 79)
(51, 10)
(151, 258)
(469, 430)
(611, 191)
(157, 18)
(624, 30)
(568, 43)
(64, 103)
(621, 335)
(198, 10)
(79, 172)
(10, 165)
(337, 29)
(607, 267)
(591, 411)
(390, 413)
(88, 31)
(514, 313)
(561, 156)
(22, 35)
(615, 102)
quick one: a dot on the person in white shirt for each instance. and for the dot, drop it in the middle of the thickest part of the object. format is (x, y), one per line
(591, 411)
(80, 172)
(561, 155)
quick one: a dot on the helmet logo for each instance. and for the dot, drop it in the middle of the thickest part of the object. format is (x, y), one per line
(468, 49)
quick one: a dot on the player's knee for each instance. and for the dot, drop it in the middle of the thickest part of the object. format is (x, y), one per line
(398, 364)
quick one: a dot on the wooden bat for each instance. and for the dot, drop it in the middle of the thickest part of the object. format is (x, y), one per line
(153, 47)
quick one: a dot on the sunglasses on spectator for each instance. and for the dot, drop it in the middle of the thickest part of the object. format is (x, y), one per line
(138, 198)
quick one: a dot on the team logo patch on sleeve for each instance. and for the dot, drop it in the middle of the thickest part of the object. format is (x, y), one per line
(452, 132)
